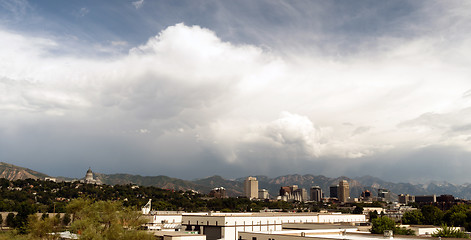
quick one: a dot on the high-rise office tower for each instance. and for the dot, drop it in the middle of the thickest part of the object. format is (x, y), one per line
(251, 187)
(384, 195)
(334, 191)
(343, 191)
(316, 194)
(285, 191)
(300, 194)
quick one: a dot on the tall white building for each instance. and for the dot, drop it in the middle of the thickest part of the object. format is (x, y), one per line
(344, 191)
(251, 187)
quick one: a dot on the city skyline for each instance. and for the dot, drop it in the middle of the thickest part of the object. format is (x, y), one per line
(192, 89)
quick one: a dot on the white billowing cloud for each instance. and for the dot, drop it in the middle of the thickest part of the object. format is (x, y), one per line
(295, 137)
(290, 133)
(188, 86)
(22, 58)
(295, 130)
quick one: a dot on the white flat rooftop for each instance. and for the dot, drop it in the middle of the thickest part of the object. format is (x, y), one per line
(362, 237)
(350, 234)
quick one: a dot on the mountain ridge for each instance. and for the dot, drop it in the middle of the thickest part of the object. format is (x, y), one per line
(13, 172)
(235, 187)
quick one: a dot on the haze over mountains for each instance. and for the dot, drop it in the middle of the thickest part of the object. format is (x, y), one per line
(235, 187)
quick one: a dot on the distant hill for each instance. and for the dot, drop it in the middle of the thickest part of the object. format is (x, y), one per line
(233, 188)
(236, 187)
(157, 181)
(12, 172)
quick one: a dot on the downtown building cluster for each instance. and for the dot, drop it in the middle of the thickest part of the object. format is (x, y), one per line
(270, 225)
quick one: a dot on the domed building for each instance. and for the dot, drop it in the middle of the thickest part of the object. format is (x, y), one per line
(89, 178)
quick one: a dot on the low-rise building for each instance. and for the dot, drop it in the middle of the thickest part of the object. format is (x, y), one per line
(331, 231)
(227, 225)
(263, 194)
(366, 210)
(405, 198)
(428, 199)
(427, 230)
(178, 236)
(164, 220)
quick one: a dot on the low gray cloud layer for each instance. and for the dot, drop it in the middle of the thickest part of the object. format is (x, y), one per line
(194, 101)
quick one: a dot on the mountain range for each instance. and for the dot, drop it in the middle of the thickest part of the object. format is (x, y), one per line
(235, 187)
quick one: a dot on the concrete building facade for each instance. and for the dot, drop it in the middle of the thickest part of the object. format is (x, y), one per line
(178, 236)
(316, 194)
(263, 194)
(405, 199)
(384, 195)
(251, 187)
(344, 191)
(300, 195)
(293, 193)
(227, 225)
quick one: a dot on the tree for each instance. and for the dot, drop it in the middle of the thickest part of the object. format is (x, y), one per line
(468, 221)
(380, 224)
(10, 221)
(21, 219)
(373, 215)
(108, 220)
(457, 216)
(76, 205)
(358, 210)
(66, 219)
(403, 231)
(57, 219)
(44, 216)
(458, 219)
(413, 217)
(432, 215)
(43, 227)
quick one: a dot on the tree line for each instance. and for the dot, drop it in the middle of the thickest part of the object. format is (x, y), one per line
(457, 216)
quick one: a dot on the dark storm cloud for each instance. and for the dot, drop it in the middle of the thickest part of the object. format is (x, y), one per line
(191, 89)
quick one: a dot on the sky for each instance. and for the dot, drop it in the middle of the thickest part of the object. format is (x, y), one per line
(191, 89)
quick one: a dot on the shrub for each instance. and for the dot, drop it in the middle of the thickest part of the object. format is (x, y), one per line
(449, 232)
